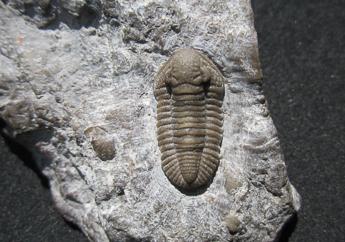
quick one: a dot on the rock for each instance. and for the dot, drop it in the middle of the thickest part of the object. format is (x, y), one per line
(76, 88)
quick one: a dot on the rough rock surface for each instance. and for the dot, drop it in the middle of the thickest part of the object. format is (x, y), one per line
(76, 88)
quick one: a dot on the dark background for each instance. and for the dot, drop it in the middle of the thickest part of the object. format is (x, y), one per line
(302, 51)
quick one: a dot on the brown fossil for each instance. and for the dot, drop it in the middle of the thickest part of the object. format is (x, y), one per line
(189, 90)
(101, 142)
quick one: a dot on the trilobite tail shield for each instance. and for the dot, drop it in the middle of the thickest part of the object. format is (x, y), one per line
(189, 90)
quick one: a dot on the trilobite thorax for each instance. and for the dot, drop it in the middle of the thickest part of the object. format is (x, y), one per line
(189, 90)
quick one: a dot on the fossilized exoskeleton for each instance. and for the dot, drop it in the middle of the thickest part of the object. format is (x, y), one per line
(189, 90)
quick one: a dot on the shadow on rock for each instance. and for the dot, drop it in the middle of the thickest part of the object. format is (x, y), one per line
(287, 229)
(23, 154)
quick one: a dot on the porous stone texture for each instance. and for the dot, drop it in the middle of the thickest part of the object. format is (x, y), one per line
(76, 88)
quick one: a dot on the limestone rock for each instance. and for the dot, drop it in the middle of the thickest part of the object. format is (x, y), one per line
(76, 88)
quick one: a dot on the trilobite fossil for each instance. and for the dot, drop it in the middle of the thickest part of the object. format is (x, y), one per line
(189, 90)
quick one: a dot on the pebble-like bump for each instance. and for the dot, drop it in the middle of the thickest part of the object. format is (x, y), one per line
(189, 89)
(233, 223)
(101, 142)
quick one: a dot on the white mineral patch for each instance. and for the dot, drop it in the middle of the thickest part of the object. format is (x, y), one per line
(76, 88)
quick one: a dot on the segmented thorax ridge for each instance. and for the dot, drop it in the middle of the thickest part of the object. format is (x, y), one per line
(189, 90)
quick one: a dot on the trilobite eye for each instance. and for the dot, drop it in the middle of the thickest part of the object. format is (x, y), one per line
(169, 90)
(173, 81)
(206, 85)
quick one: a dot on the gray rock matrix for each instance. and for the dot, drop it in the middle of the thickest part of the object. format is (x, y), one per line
(76, 88)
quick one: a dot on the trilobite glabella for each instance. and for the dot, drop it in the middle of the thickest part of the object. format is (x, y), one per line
(189, 89)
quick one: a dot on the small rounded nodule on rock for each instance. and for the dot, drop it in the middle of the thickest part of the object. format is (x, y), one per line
(189, 90)
(233, 223)
(104, 148)
(101, 142)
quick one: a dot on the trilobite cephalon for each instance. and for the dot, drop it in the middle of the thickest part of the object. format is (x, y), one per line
(189, 90)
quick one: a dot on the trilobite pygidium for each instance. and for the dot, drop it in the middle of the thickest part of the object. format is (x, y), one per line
(189, 90)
